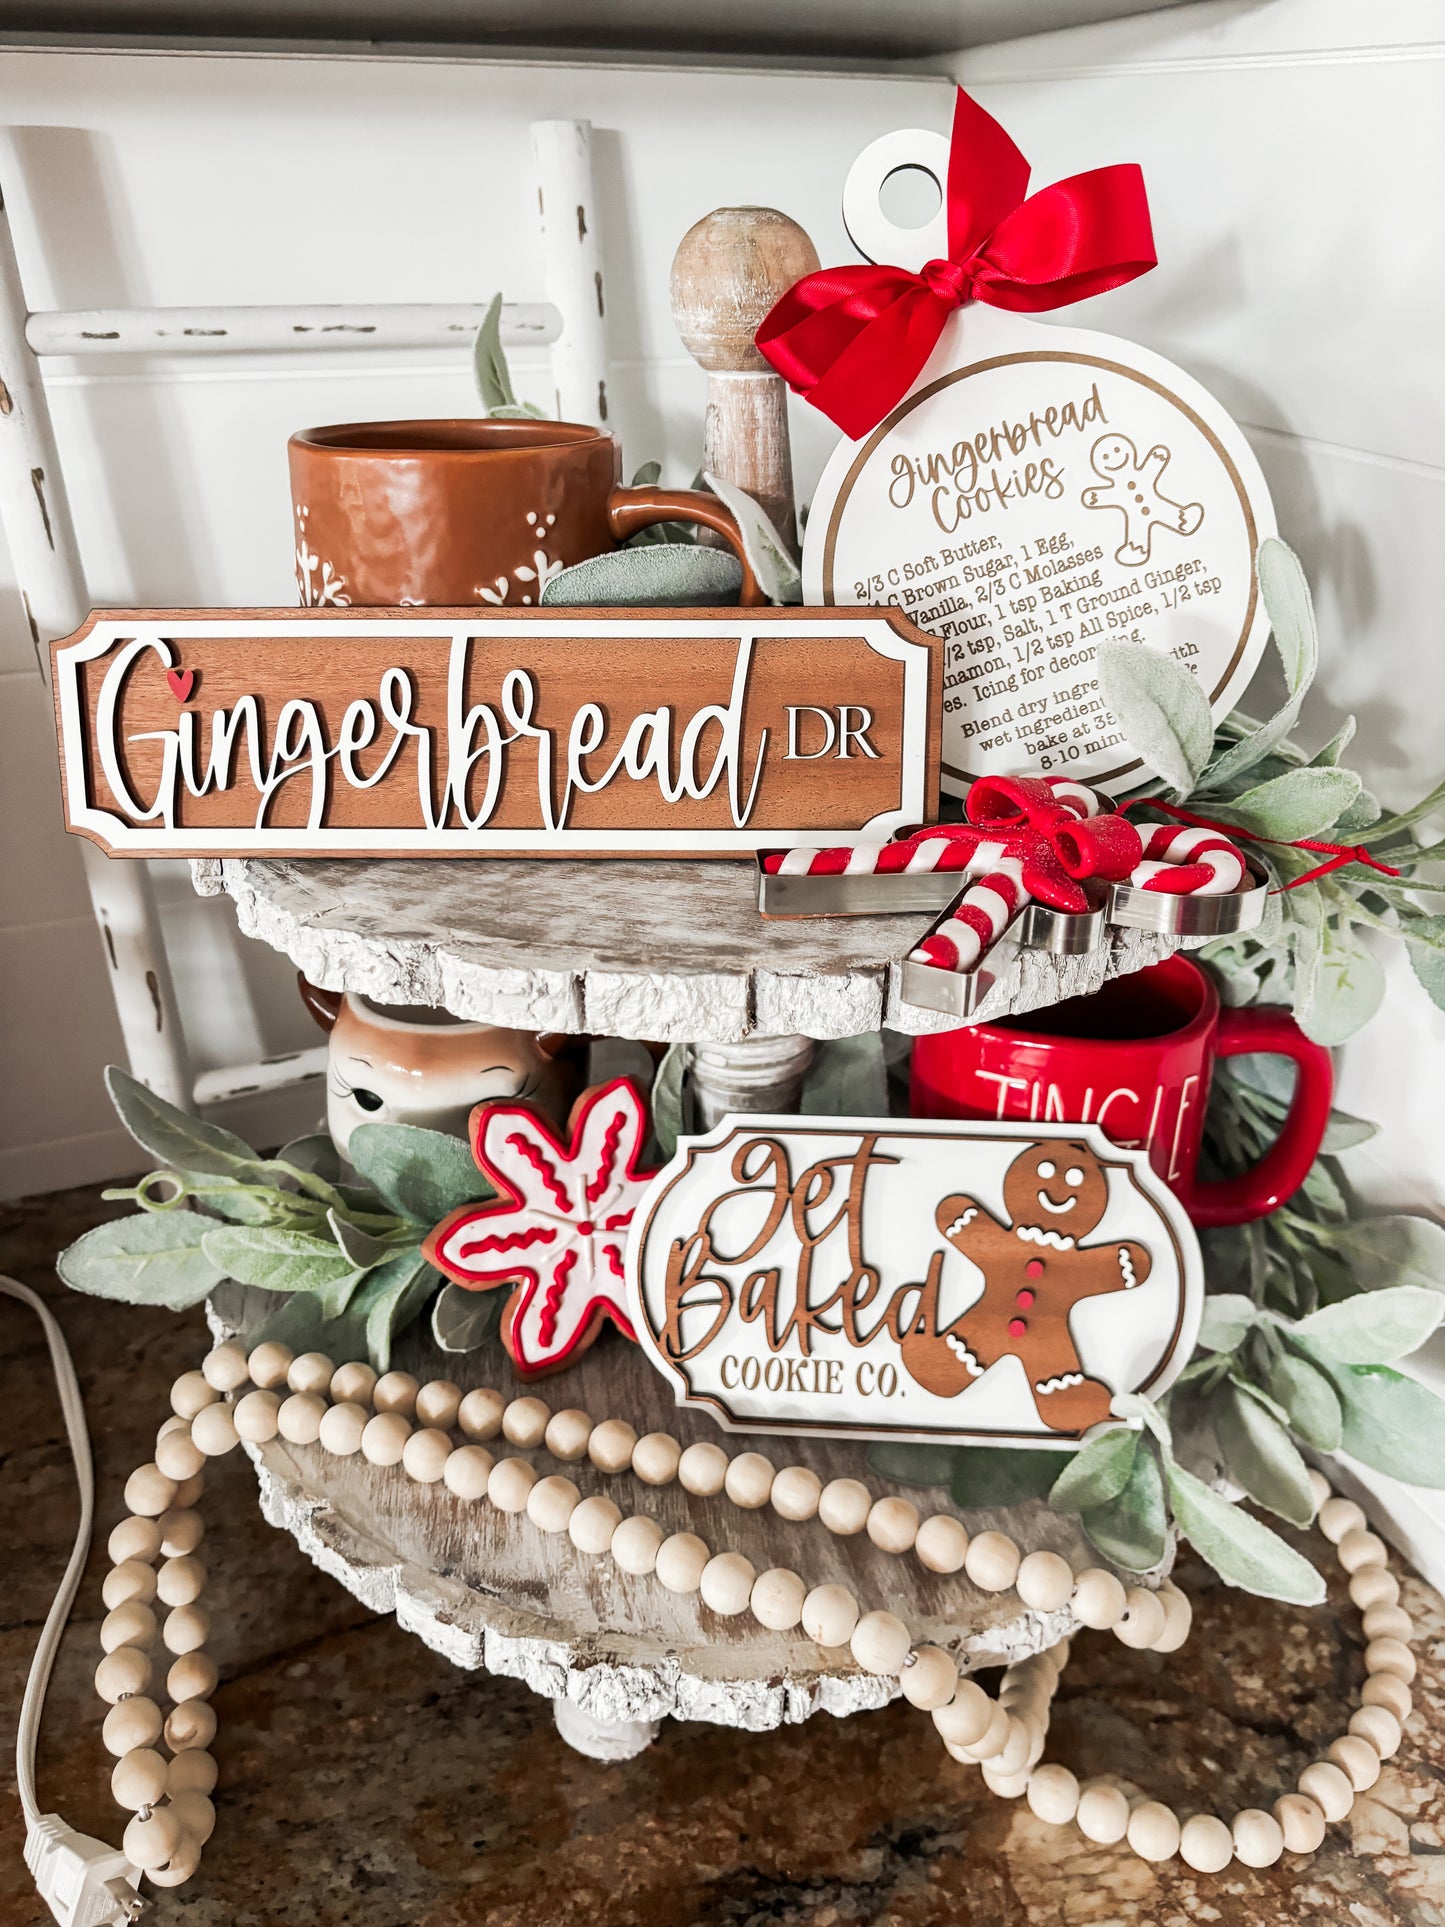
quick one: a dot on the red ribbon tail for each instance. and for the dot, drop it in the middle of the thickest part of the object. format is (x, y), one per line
(1339, 854)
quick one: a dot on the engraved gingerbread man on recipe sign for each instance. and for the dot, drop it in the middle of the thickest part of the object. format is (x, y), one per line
(1035, 1270)
(1130, 482)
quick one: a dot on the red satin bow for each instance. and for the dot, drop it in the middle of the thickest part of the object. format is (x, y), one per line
(852, 340)
(1055, 846)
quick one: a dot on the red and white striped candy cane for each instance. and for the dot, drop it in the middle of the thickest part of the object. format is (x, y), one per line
(976, 921)
(1188, 862)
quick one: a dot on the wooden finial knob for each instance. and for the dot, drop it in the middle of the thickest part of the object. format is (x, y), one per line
(729, 270)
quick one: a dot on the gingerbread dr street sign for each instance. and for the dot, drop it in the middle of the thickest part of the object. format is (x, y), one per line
(408, 732)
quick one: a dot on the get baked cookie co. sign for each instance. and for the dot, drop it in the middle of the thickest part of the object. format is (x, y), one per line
(865, 1277)
(408, 732)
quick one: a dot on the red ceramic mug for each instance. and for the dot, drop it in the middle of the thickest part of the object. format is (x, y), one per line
(1136, 1058)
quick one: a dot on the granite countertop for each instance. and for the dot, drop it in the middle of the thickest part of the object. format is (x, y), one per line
(365, 1781)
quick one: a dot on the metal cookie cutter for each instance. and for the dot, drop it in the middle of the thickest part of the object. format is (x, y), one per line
(1191, 916)
(958, 993)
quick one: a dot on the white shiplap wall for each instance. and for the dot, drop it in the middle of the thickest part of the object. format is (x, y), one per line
(159, 180)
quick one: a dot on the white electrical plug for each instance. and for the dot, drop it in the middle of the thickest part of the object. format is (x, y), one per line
(84, 1882)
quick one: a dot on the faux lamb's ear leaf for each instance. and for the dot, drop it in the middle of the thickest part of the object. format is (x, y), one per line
(275, 1260)
(1344, 1132)
(669, 1121)
(173, 1137)
(847, 1078)
(913, 1464)
(463, 1320)
(1160, 707)
(1001, 1475)
(1302, 802)
(1228, 1315)
(1428, 965)
(1330, 753)
(767, 553)
(672, 574)
(1396, 1249)
(1286, 597)
(364, 1251)
(1131, 1529)
(1135, 1405)
(420, 1174)
(1392, 1421)
(1097, 1473)
(316, 1154)
(391, 1298)
(489, 361)
(1344, 993)
(1241, 1550)
(1261, 1456)
(157, 1258)
(1309, 1399)
(1374, 1327)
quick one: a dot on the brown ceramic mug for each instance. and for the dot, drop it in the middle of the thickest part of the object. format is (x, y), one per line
(440, 514)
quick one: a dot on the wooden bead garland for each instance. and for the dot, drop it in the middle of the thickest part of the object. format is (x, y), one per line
(235, 1396)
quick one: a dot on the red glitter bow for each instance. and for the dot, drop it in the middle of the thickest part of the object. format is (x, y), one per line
(853, 340)
(1056, 847)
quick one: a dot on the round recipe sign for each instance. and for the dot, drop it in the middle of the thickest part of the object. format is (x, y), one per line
(1051, 491)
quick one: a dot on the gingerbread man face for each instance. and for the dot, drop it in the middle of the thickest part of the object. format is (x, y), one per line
(1058, 1186)
(1112, 454)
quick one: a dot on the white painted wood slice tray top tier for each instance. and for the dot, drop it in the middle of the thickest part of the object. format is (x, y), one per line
(665, 952)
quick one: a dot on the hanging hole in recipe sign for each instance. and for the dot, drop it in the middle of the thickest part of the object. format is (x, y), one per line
(893, 203)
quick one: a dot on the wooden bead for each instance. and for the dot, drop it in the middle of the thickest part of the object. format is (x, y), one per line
(188, 1493)
(830, 1614)
(395, 1392)
(893, 1525)
(524, 1422)
(1153, 1830)
(181, 1531)
(268, 1364)
(880, 1643)
(299, 1418)
(929, 1678)
(1205, 1843)
(342, 1428)
(179, 1581)
(437, 1404)
(384, 1437)
(480, 1414)
(1143, 1621)
(749, 1480)
(1258, 1837)
(1329, 1787)
(567, 1435)
(131, 1724)
(134, 1539)
(468, 1471)
(148, 1491)
(1389, 1691)
(194, 1676)
(1178, 1618)
(1103, 1813)
(192, 1723)
(255, 1417)
(992, 1562)
(1390, 1656)
(795, 1493)
(214, 1431)
(1389, 1622)
(1018, 1742)
(635, 1544)
(180, 1868)
(173, 1424)
(149, 1843)
(680, 1562)
(995, 1735)
(844, 1505)
(196, 1817)
(966, 1717)
(1045, 1581)
(551, 1503)
(193, 1771)
(1008, 1786)
(178, 1455)
(593, 1523)
(942, 1543)
(225, 1367)
(1356, 1759)
(186, 1628)
(1099, 1599)
(1319, 1491)
(126, 1670)
(726, 1584)
(311, 1372)
(424, 1455)
(352, 1383)
(656, 1457)
(777, 1599)
(1374, 1586)
(132, 1579)
(511, 1482)
(191, 1393)
(1301, 1823)
(1339, 1516)
(1360, 1549)
(702, 1470)
(138, 1778)
(1053, 1795)
(133, 1624)
(1378, 1725)
(610, 1446)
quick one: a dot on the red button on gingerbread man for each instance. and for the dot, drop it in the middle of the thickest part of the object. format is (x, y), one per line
(1035, 1270)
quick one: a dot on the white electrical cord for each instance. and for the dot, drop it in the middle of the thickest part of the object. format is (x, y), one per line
(84, 1882)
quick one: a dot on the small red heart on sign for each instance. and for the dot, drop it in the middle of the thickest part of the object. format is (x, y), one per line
(182, 682)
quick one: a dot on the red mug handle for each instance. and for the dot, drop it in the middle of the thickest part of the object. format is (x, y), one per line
(1285, 1166)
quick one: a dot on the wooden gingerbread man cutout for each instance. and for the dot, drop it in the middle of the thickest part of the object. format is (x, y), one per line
(1130, 482)
(1036, 1269)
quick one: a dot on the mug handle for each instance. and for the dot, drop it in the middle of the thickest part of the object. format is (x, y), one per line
(631, 509)
(1286, 1164)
